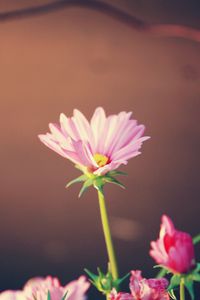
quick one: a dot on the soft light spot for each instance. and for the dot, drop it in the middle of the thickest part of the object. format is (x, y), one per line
(100, 159)
(126, 229)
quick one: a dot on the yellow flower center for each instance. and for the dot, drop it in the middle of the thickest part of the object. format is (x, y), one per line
(100, 159)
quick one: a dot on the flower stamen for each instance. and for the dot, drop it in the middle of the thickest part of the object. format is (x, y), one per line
(100, 159)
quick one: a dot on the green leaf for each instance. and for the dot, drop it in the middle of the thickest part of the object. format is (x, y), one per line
(78, 179)
(85, 186)
(190, 287)
(196, 239)
(174, 282)
(48, 296)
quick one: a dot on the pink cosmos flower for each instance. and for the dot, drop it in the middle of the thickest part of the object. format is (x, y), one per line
(12, 295)
(143, 289)
(38, 288)
(98, 146)
(174, 249)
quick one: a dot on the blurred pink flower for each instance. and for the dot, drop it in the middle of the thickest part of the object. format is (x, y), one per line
(38, 288)
(143, 289)
(12, 295)
(98, 146)
(174, 249)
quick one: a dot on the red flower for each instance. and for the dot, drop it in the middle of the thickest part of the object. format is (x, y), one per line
(174, 249)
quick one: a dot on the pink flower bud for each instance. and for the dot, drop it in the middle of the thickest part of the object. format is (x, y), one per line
(174, 249)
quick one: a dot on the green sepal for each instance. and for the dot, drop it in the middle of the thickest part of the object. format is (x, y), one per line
(174, 282)
(172, 295)
(98, 181)
(196, 239)
(65, 295)
(195, 274)
(120, 280)
(48, 295)
(104, 282)
(189, 279)
(93, 276)
(76, 180)
(197, 269)
(110, 179)
(162, 273)
(86, 185)
(196, 277)
(190, 287)
(116, 173)
(158, 266)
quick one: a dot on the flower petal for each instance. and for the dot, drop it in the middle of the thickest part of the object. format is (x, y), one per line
(97, 125)
(68, 126)
(129, 151)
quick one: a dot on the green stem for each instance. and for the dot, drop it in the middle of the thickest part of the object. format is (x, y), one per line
(182, 289)
(107, 236)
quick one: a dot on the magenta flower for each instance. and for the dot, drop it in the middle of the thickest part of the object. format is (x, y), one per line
(38, 289)
(98, 146)
(174, 249)
(143, 289)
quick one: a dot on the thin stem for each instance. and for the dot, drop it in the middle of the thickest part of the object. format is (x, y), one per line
(107, 236)
(182, 289)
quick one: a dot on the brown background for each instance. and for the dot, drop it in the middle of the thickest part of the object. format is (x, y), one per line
(78, 58)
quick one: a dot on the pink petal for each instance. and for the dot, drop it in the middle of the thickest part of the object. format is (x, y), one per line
(131, 150)
(12, 295)
(84, 154)
(68, 126)
(63, 140)
(97, 125)
(167, 226)
(76, 289)
(109, 167)
(130, 133)
(82, 126)
(107, 134)
(45, 139)
(121, 129)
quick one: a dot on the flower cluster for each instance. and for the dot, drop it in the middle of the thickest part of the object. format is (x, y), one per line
(143, 289)
(98, 147)
(49, 288)
(174, 251)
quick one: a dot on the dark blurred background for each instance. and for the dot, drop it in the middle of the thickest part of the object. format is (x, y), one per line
(76, 57)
